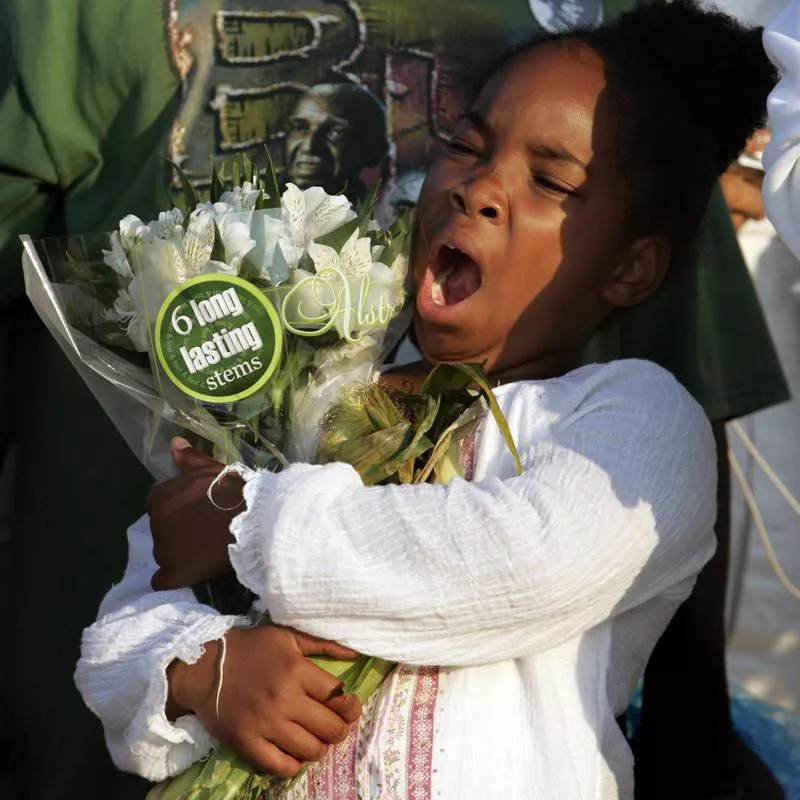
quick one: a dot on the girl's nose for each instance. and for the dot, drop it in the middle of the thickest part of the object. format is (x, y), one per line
(480, 197)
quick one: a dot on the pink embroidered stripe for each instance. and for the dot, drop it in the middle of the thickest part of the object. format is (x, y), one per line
(334, 778)
(421, 734)
(343, 779)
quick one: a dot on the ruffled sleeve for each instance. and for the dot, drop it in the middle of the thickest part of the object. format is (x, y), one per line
(122, 670)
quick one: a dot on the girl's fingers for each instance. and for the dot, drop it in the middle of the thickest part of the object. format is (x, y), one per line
(327, 690)
(321, 722)
(299, 743)
(188, 459)
(347, 706)
(314, 646)
(318, 684)
(268, 757)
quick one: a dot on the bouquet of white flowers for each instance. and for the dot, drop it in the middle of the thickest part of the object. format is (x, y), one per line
(238, 320)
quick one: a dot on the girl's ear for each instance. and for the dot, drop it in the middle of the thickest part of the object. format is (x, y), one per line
(640, 273)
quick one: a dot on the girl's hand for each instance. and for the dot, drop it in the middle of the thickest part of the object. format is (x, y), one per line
(190, 533)
(276, 708)
(741, 185)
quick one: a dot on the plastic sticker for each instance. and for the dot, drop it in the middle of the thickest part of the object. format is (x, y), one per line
(218, 338)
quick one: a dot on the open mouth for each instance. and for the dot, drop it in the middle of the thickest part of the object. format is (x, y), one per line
(456, 276)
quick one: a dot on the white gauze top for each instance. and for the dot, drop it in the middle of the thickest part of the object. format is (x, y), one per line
(522, 608)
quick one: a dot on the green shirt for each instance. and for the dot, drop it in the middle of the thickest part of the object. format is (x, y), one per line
(84, 109)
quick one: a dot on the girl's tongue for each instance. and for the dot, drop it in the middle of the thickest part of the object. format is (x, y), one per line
(458, 278)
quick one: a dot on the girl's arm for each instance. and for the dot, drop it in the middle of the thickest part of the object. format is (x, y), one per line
(782, 156)
(615, 507)
(122, 670)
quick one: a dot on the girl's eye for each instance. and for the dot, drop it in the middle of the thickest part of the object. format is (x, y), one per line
(462, 148)
(550, 185)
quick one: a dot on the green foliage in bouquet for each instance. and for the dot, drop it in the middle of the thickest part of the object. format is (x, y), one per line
(388, 436)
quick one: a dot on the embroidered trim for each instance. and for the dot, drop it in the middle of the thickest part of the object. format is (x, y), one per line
(421, 734)
(389, 754)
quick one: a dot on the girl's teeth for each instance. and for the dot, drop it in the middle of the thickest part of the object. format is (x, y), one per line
(437, 290)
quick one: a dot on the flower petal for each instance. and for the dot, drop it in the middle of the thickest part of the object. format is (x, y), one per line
(235, 234)
(324, 257)
(355, 258)
(198, 241)
(326, 212)
(117, 258)
(131, 228)
(293, 209)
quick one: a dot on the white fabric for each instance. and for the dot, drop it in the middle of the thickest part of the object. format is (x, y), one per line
(543, 594)
(124, 656)
(781, 189)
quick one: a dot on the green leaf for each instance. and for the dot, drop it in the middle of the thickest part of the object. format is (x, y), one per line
(236, 173)
(346, 420)
(446, 378)
(250, 171)
(218, 251)
(478, 376)
(177, 788)
(217, 182)
(337, 238)
(377, 456)
(380, 409)
(423, 410)
(398, 234)
(273, 200)
(367, 208)
(189, 193)
(365, 676)
(440, 462)
(335, 666)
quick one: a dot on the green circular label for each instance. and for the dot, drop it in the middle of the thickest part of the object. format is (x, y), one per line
(218, 338)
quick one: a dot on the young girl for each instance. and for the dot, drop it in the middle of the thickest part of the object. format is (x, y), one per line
(522, 609)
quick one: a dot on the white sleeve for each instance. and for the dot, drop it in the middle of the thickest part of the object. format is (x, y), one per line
(615, 507)
(781, 189)
(122, 670)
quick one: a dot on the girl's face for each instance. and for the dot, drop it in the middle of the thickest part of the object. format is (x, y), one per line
(520, 221)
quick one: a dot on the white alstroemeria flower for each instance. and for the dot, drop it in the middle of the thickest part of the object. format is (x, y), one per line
(380, 297)
(234, 231)
(354, 260)
(132, 230)
(369, 292)
(168, 226)
(307, 215)
(197, 243)
(157, 263)
(268, 230)
(117, 258)
(128, 315)
(242, 198)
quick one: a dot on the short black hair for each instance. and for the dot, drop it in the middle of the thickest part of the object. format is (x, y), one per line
(688, 86)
